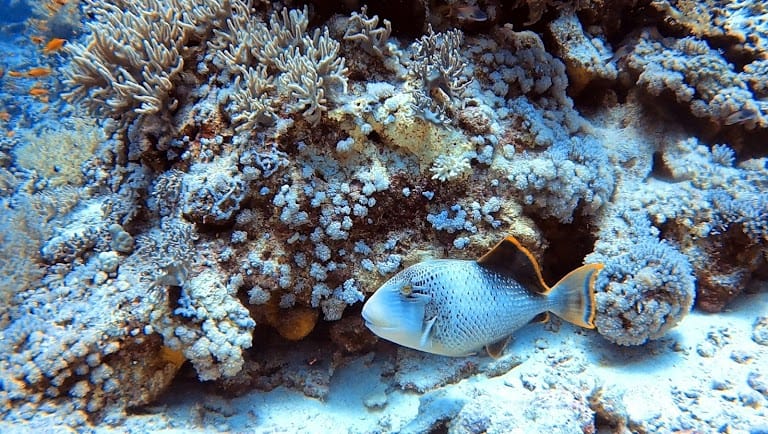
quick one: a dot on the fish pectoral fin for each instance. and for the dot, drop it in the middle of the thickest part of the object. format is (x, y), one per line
(425, 334)
(496, 349)
(542, 317)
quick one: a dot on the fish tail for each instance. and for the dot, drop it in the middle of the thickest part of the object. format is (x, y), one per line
(574, 296)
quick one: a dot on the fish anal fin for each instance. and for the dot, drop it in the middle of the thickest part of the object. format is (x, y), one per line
(496, 349)
(510, 258)
(542, 317)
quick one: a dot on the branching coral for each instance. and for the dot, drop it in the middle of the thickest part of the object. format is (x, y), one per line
(136, 52)
(571, 174)
(438, 66)
(222, 327)
(365, 30)
(278, 60)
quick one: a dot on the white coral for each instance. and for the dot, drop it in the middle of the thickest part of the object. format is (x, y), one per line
(448, 167)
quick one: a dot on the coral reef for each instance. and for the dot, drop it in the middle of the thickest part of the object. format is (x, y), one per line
(253, 172)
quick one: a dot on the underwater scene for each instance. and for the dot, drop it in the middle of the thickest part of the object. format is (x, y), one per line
(424, 216)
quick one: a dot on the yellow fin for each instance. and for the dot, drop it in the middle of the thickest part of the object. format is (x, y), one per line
(496, 349)
(575, 296)
(510, 258)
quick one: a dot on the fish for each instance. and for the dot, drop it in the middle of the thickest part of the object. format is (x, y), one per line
(39, 72)
(39, 92)
(454, 307)
(463, 13)
(54, 44)
(470, 13)
(15, 74)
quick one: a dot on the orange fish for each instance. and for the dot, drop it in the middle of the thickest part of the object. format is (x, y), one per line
(5, 116)
(15, 74)
(54, 44)
(60, 2)
(38, 92)
(10, 133)
(39, 72)
(37, 39)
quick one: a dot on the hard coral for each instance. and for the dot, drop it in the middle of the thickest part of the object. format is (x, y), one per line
(698, 76)
(646, 287)
(741, 25)
(584, 55)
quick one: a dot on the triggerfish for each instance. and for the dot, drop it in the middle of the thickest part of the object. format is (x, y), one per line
(456, 307)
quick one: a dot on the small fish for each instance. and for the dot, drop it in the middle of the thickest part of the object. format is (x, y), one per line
(39, 72)
(54, 44)
(37, 39)
(15, 74)
(463, 13)
(39, 92)
(469, 13)
(456, 307)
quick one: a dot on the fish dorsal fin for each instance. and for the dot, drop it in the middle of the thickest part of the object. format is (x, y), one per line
(496, 349)
(510, 258)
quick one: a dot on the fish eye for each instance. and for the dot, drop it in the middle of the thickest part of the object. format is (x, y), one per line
(406, 290)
